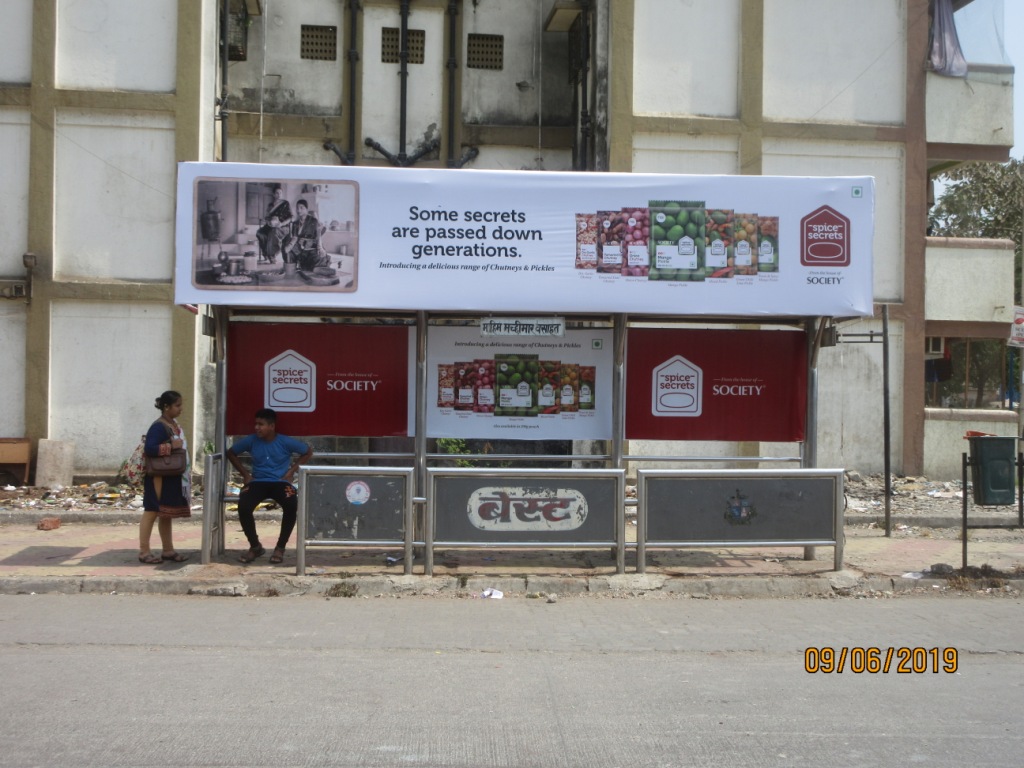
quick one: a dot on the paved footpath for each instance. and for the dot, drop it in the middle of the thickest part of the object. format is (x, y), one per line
(98, 553)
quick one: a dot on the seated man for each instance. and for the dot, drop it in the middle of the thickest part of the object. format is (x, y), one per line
(271, 478)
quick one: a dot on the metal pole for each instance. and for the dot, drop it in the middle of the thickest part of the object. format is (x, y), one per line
(452, 66)
(809, 455)
(886, 426)
(967, 371)
(221, 480)
(403, 74)
(619, 426)
(584, 85)
(301, 524)
(1020, 489)
(618, 391)
(225, 20)
(353, 58)
(420, 460)
(963, 532)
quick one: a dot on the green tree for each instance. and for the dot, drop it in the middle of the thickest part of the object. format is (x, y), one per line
(980, 200)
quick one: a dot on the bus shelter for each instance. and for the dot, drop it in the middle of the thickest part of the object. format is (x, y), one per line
(415, 312)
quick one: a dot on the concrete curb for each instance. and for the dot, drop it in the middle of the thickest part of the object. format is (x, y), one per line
(843, 584)
(131, 516)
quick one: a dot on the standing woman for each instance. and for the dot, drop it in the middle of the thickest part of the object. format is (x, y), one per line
(165, 498)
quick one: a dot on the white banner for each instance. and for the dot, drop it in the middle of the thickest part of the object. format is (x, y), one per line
(523, 241)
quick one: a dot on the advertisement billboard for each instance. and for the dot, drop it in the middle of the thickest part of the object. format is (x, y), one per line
(341, 380)
(523, 241)
(482, 386)
(689, 384)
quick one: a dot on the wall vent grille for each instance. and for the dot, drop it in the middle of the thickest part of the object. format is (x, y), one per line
(391, 45)
(319, 43)
(485, 52)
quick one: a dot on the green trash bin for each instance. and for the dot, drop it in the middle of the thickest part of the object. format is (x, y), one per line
(993, 469)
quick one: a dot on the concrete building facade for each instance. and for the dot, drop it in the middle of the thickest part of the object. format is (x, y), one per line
(99, 99)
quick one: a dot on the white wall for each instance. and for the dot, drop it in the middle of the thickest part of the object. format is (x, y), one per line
(793, 157)
(14, 154)
(13, 321)
(381, 83)
(279, 151)
(115, 200)
(851, 397)
(16, 42)
(291, 83)
(106, 376)
(977, 109)
(684, 153)
(842, 62)
(944, 430)
(492, 95)
(686, 57)
(966, 282)
(496, 158)
(125, 45)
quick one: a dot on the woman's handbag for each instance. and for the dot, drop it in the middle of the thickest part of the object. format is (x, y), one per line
(173, 463)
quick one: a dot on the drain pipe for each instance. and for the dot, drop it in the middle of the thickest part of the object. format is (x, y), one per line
(346, 158)
(222, 102)
(403, 74)
(353, 58)
(452, 64)
(585, 127)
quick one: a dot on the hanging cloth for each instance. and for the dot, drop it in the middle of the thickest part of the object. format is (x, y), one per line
(947, 58)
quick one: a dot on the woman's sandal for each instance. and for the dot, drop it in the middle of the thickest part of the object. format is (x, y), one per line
(251, 554)
(148, 558)
(174, 557)
(278, 557)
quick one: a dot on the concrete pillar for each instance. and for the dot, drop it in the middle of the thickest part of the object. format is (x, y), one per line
(55, 463)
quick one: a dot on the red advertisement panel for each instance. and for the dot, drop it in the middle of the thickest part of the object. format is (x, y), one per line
(716, 385)
(341, 380)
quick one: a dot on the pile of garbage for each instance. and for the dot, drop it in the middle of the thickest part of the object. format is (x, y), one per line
(96, 496)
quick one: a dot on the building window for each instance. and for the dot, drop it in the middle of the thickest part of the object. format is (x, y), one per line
(970, 373)
(319, 43)
(485, 52)
(238, 35)
(391, 45)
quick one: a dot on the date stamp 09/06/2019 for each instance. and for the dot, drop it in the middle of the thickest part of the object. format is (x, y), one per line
(904, 660)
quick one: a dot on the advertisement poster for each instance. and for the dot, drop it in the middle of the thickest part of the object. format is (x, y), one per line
(684, 384)
(486, 387)
(523, 241)
(1017, 328)
(341, 380)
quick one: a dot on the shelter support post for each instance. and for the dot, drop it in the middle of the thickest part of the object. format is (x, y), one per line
(815, 334)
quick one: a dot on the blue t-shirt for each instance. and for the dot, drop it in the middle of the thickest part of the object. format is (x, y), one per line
(270, 460)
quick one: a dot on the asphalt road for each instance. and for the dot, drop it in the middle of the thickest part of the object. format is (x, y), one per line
(108, 680)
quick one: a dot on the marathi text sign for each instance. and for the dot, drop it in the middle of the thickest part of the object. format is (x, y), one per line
(516, 507)
(518, 241)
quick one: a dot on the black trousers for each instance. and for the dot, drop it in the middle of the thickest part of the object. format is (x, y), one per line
(254, 493)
